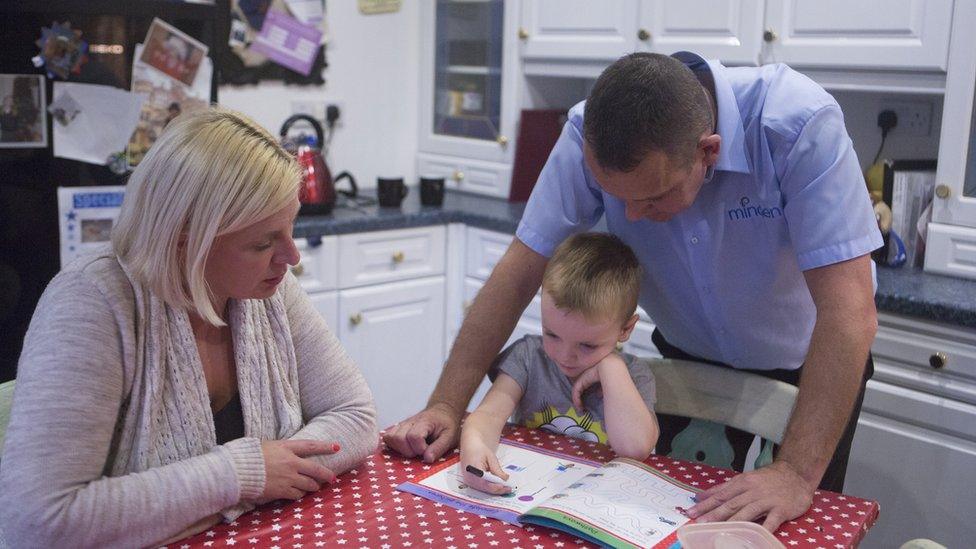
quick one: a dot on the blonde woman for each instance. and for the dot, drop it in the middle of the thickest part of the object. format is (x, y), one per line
(182, 375)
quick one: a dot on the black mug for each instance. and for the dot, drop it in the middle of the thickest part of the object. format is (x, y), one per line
(431, 191)
(390, 191)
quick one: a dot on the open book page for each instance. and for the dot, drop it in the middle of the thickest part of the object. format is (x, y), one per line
(624, 503)
(537, 473)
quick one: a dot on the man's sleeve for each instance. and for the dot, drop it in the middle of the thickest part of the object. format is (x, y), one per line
(565, 199)
(827, 207)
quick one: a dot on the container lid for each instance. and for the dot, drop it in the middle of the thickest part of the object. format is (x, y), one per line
(726, 535)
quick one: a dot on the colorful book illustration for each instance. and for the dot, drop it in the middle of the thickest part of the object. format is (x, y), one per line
(622, 503)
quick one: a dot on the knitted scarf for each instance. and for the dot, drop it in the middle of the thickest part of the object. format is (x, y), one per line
(167, 417)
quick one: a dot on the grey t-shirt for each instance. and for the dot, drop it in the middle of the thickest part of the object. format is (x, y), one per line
(547, 399)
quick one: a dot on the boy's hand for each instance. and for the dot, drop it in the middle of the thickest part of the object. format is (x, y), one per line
(583, 382)
(483, 458)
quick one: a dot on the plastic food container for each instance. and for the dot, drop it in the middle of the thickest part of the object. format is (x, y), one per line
(726, 535)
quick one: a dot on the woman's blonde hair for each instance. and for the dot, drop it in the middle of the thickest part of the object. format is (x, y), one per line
(211, 172)
(595, 274)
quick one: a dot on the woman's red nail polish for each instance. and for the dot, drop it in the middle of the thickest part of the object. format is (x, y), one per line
(335, 447)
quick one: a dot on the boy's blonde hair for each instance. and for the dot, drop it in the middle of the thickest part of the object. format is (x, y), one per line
(211, 172)
(595, 274)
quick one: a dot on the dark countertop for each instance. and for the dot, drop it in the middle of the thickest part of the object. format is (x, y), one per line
(904, 291)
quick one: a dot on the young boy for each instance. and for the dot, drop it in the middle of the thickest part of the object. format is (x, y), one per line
(589, 295)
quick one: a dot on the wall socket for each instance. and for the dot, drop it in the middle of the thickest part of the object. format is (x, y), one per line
(914, 117)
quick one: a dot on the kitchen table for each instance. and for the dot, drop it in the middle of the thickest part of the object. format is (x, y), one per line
(363, 508)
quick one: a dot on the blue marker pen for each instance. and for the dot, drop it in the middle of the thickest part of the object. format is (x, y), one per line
(490, 477)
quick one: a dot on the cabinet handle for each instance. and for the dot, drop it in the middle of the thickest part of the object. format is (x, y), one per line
(769, 35)
(398, 257)
(502, 140)
(938, 360)
(523, 34)
(298, 270)
(458, 176)
(356, 319)
(943, 191)
(643, 35)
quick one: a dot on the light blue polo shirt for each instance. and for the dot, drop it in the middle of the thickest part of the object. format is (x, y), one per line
(723, 280)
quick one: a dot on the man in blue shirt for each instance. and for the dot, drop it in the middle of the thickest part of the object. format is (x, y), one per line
(740, 193)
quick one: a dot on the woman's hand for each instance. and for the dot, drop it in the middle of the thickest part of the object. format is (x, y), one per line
(482, 457)
(289, 474)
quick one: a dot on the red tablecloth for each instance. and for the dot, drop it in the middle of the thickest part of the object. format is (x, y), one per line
(364, 509)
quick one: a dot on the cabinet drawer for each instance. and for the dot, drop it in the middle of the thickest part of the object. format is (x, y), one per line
(386, 256)
(462, 174)
(484, 249)
(906, 349)
(317, 270)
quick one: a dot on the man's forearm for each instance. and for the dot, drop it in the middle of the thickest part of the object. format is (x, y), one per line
(828, 387)
(489, 323)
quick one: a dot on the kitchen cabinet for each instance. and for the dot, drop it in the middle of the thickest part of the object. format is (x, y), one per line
(951, 245)
(382, 293)
(807, 34)
(915, 447)
(394, 332)
(859, 34)
(469, 94)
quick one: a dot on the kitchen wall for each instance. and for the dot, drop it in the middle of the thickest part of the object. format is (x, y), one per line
(861, 116)
(374, 65)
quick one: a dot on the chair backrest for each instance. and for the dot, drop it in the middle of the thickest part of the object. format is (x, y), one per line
(750, 402)
(6, 400)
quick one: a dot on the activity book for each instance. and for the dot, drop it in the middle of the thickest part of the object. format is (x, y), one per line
(621, 503)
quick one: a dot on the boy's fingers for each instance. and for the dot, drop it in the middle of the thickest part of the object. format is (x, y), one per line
(495, 467)
(485, 486)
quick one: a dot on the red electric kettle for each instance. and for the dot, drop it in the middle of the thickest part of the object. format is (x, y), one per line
(317, 192)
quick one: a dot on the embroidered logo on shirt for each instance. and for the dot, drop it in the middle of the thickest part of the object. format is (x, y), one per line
(747, 211)
(568, 423)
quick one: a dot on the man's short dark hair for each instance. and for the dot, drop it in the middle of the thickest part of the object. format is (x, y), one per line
(645, 102)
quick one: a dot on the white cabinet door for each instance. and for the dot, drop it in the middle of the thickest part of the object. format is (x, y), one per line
(951, 245)
(327, 304)
(879, 34)
(395, 334)
(922, 477)
(728, 30)
(469, 75)
(578, 29)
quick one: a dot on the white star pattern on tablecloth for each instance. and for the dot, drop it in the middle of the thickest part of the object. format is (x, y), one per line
(386, 518)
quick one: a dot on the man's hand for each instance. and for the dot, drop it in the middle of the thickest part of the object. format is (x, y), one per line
(429, 433)
(776, 491)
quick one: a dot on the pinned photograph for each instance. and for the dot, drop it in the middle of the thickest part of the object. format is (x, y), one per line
(166, 99)
(23, 120)
(172, 52)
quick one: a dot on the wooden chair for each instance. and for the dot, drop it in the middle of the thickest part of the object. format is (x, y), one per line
(6, 400)
(722, 396)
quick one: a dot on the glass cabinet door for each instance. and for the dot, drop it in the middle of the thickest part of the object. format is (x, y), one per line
(468, 69)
